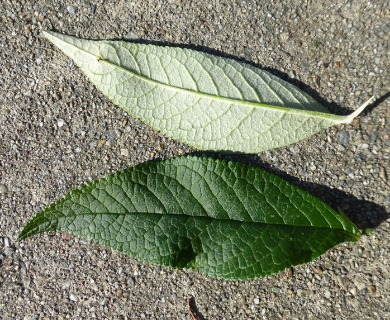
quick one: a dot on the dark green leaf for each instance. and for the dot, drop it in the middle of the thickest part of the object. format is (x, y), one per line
(221, 218)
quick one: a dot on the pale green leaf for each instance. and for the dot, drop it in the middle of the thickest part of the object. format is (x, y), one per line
(205, 101)
(220, 218)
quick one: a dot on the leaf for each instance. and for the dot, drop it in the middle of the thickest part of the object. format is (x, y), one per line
(205, 101)
(220, 218)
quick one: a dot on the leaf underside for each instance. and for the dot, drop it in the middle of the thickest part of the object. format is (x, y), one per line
(221, 218)
(205, 101)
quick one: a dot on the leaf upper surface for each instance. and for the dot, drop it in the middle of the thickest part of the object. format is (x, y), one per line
(220, 218)
(206, 101)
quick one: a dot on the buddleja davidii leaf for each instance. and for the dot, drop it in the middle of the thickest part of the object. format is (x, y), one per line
(208, 102)
(220, 218)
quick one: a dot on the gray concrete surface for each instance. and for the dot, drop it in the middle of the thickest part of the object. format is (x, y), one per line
(57, 132)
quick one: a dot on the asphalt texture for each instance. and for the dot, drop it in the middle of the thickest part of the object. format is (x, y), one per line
(58, 132)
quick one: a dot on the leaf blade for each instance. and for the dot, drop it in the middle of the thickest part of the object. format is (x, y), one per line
(187, 212)
(208, 102)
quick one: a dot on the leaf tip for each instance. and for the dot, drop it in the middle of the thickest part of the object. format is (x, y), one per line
(54, 37)
(22, 235)
(26, 231)
(46, 33)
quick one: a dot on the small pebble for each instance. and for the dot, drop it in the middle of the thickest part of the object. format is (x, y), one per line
(131, 281)
(318, 270)
(9, 251)
(256, 300)
(292, 74)
(73, 297)
(72, 9)
(60, 123)
(344, 137)
(360, 285)
(327, 294)
(371, 289)
(131, 36)
(356, 122)
(317, 81)
(125, 152)
(66, 285)
(354, 303)
(382, 174)
(101, 143)
(93, 8)
(3, 188)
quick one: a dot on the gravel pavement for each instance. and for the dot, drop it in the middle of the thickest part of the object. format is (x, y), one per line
(57, 132)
